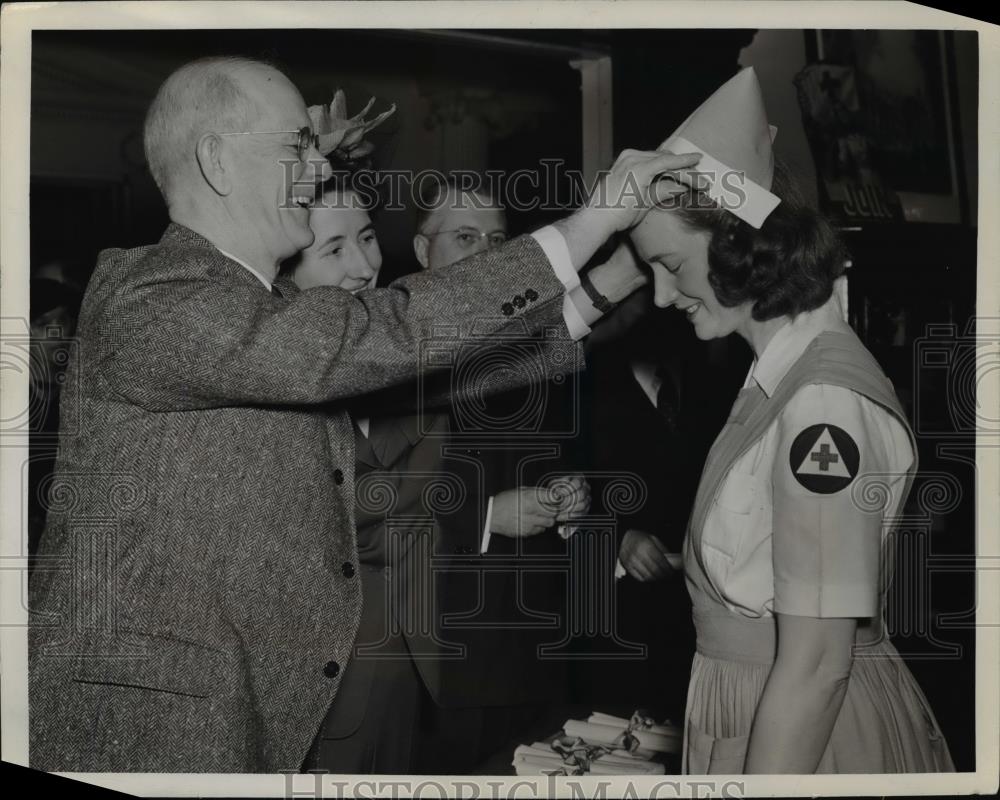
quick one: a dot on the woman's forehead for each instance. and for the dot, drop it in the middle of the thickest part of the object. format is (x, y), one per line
(485, 219)
(662, 230)
(337, 215)
(342, 199)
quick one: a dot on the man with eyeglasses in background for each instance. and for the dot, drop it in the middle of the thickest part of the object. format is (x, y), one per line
(475, 703)
(195, 595)
(454, 223)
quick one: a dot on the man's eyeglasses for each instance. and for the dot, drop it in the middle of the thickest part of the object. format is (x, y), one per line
(471, 236)
(307, 139)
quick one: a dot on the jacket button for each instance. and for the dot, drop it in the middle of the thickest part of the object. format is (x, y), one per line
(507, 309)
(338, 476)
(332, 669)
(519, 301)
(531, 295)
(348, 569)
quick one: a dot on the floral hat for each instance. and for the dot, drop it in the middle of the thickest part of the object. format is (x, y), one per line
(342, 136)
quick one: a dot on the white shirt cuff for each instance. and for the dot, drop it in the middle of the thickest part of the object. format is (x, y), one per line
(554, 246)
(578, 328)
(485, 545)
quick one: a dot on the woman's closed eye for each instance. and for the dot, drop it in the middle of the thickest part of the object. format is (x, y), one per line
(671, 265)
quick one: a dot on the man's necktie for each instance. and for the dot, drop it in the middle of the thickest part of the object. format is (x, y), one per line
(386, 438)
(275, 291)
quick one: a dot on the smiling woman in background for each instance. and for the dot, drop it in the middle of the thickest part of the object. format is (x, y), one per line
(345, 252)
(784, 556)
(355, 736)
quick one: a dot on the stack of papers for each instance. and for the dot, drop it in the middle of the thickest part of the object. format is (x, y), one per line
(665, 738)
(600, 740)
(540, 759)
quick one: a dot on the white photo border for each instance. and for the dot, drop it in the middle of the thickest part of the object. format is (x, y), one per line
(18, 23)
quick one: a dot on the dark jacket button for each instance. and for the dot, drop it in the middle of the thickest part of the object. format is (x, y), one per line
(531, 295)
(332, 669)
(519, 301)
(338, 476)
(348, 569)
(507, 309)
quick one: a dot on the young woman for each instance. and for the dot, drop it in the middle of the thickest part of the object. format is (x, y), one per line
(785, 552)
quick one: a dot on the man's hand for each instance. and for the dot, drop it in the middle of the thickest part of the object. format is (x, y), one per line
(524, 511)
(642, 556)
(619, 200)
(569, 495)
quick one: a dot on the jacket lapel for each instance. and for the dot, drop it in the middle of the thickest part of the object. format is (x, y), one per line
(363, 450)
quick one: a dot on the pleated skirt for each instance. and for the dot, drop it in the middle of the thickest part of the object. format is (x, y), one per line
(885, 724)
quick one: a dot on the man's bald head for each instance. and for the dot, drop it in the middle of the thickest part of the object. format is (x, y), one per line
(202, 96)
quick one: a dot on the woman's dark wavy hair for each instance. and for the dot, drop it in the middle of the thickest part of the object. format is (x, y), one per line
(348, 176)
(786, 267)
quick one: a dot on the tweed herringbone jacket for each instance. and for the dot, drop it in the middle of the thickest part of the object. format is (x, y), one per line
(195, 598)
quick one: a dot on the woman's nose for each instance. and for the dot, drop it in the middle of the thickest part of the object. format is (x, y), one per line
(664, 291)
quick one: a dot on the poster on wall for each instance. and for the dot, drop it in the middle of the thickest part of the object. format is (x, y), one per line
(877, 114)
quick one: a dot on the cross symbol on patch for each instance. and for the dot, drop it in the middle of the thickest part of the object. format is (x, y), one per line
(824, 457)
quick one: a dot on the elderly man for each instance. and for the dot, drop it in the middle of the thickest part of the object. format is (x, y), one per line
(196, 594)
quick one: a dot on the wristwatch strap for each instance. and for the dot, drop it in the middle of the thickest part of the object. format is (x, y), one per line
(600, 302)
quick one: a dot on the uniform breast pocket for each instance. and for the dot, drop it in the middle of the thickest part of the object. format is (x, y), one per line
(732, 515)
